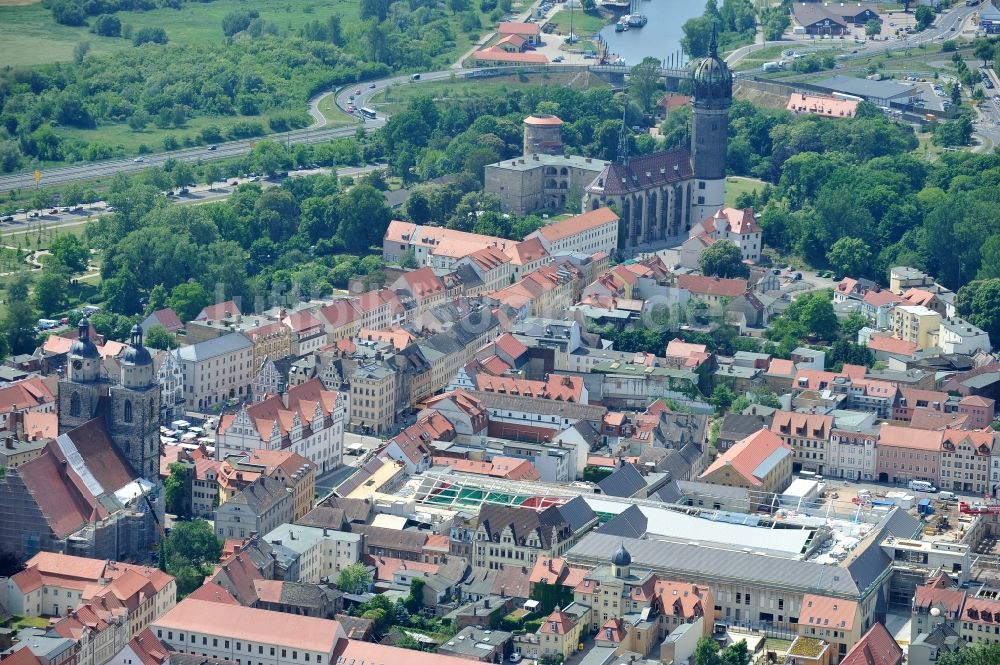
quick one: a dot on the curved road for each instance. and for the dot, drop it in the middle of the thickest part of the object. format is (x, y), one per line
(946, 25)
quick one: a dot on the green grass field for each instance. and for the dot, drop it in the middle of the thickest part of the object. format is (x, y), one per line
(29, 35)
(584, 25)
(395, 98)
(737, 185)
(334, 116)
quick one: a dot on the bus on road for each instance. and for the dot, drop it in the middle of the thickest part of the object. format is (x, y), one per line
(366, 113)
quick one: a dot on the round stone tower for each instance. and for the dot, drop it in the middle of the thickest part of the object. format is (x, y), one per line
(543, 134)
(712, 92)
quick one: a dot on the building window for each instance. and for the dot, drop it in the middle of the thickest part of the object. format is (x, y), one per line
(128, 411)
(74, 404)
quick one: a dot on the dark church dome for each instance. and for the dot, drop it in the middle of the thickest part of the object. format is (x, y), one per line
(83, 347)
(712, 79)
(136, 353)
(621, 557)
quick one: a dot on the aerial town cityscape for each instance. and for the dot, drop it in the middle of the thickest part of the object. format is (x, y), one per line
(425, 332)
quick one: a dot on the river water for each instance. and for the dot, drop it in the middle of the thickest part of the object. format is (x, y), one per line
(660, 37)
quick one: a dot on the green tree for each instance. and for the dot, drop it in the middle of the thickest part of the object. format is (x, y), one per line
(188, 299)
(212, 174)
(723, 259)
(644, 82)
(69, 250)
(736, 653)
(189, 553)
(873, 27)
(177, 490)
(19, 327)
(819, 318)
(51, 289)
(80, 51)
(851, 324)
(120, 293)
(149, 36)
(157, 299)
(984, 49)
(706, 652)
(408, 259)
(108, 25)
(157, 337)
(195, 541)
(924, 16)
(355, 578)
(722, 397)
(238, 21)
(19, 287)
(850, 256)
(182, 175)
(976, 653)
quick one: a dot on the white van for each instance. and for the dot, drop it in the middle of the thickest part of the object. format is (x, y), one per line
(946, 496)
(921, 486)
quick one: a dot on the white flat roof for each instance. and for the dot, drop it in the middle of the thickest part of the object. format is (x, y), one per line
(666, 524)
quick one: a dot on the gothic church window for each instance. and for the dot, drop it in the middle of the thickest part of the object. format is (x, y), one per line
(74, 404)
(128, 411)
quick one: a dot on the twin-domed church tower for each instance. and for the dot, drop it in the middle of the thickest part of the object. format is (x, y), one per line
(130, 404)
(712, 95)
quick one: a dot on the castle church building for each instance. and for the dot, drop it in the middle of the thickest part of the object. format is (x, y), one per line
(659, 196)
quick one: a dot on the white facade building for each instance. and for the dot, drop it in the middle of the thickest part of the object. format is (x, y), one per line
(960, 336)
(307, 419)
(216, 370)
(853, 439)
(170, 376)
(322, 553)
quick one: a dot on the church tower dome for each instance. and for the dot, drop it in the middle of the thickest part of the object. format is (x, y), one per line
(712, 95)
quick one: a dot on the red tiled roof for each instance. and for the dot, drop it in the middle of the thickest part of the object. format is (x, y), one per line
(510, 345)
(688, 599)
(213, 592)
(514, 28)
(917, 297)
(890, 344)
(781, 367)
(355, 651)
(876, 647)
(712, 286)
(339, 313)
(801, 425)
(740, 222)
(909, 437)
(218, 311)
(879, 298)
(168, 319)
(24, 656)
(557, 623)
(423, 283)
(835, 613)
(40, 425)
(25, 394)
(747, 454)
(148, 649)
(526, 251)
(499, 55)
(302, 321)
(578, 224)
(280, 628)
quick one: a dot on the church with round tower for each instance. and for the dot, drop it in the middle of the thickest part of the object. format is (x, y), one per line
(129, 402)
(660, 196)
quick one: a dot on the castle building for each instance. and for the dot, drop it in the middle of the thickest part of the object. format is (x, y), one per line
(659, 196)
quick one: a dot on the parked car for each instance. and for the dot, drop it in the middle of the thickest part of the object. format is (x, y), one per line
(139, 159)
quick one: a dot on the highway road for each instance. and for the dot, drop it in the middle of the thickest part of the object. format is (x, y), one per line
(948, 25)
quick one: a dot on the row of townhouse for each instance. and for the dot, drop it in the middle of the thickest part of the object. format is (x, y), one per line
(850, 444)
(438, 247)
